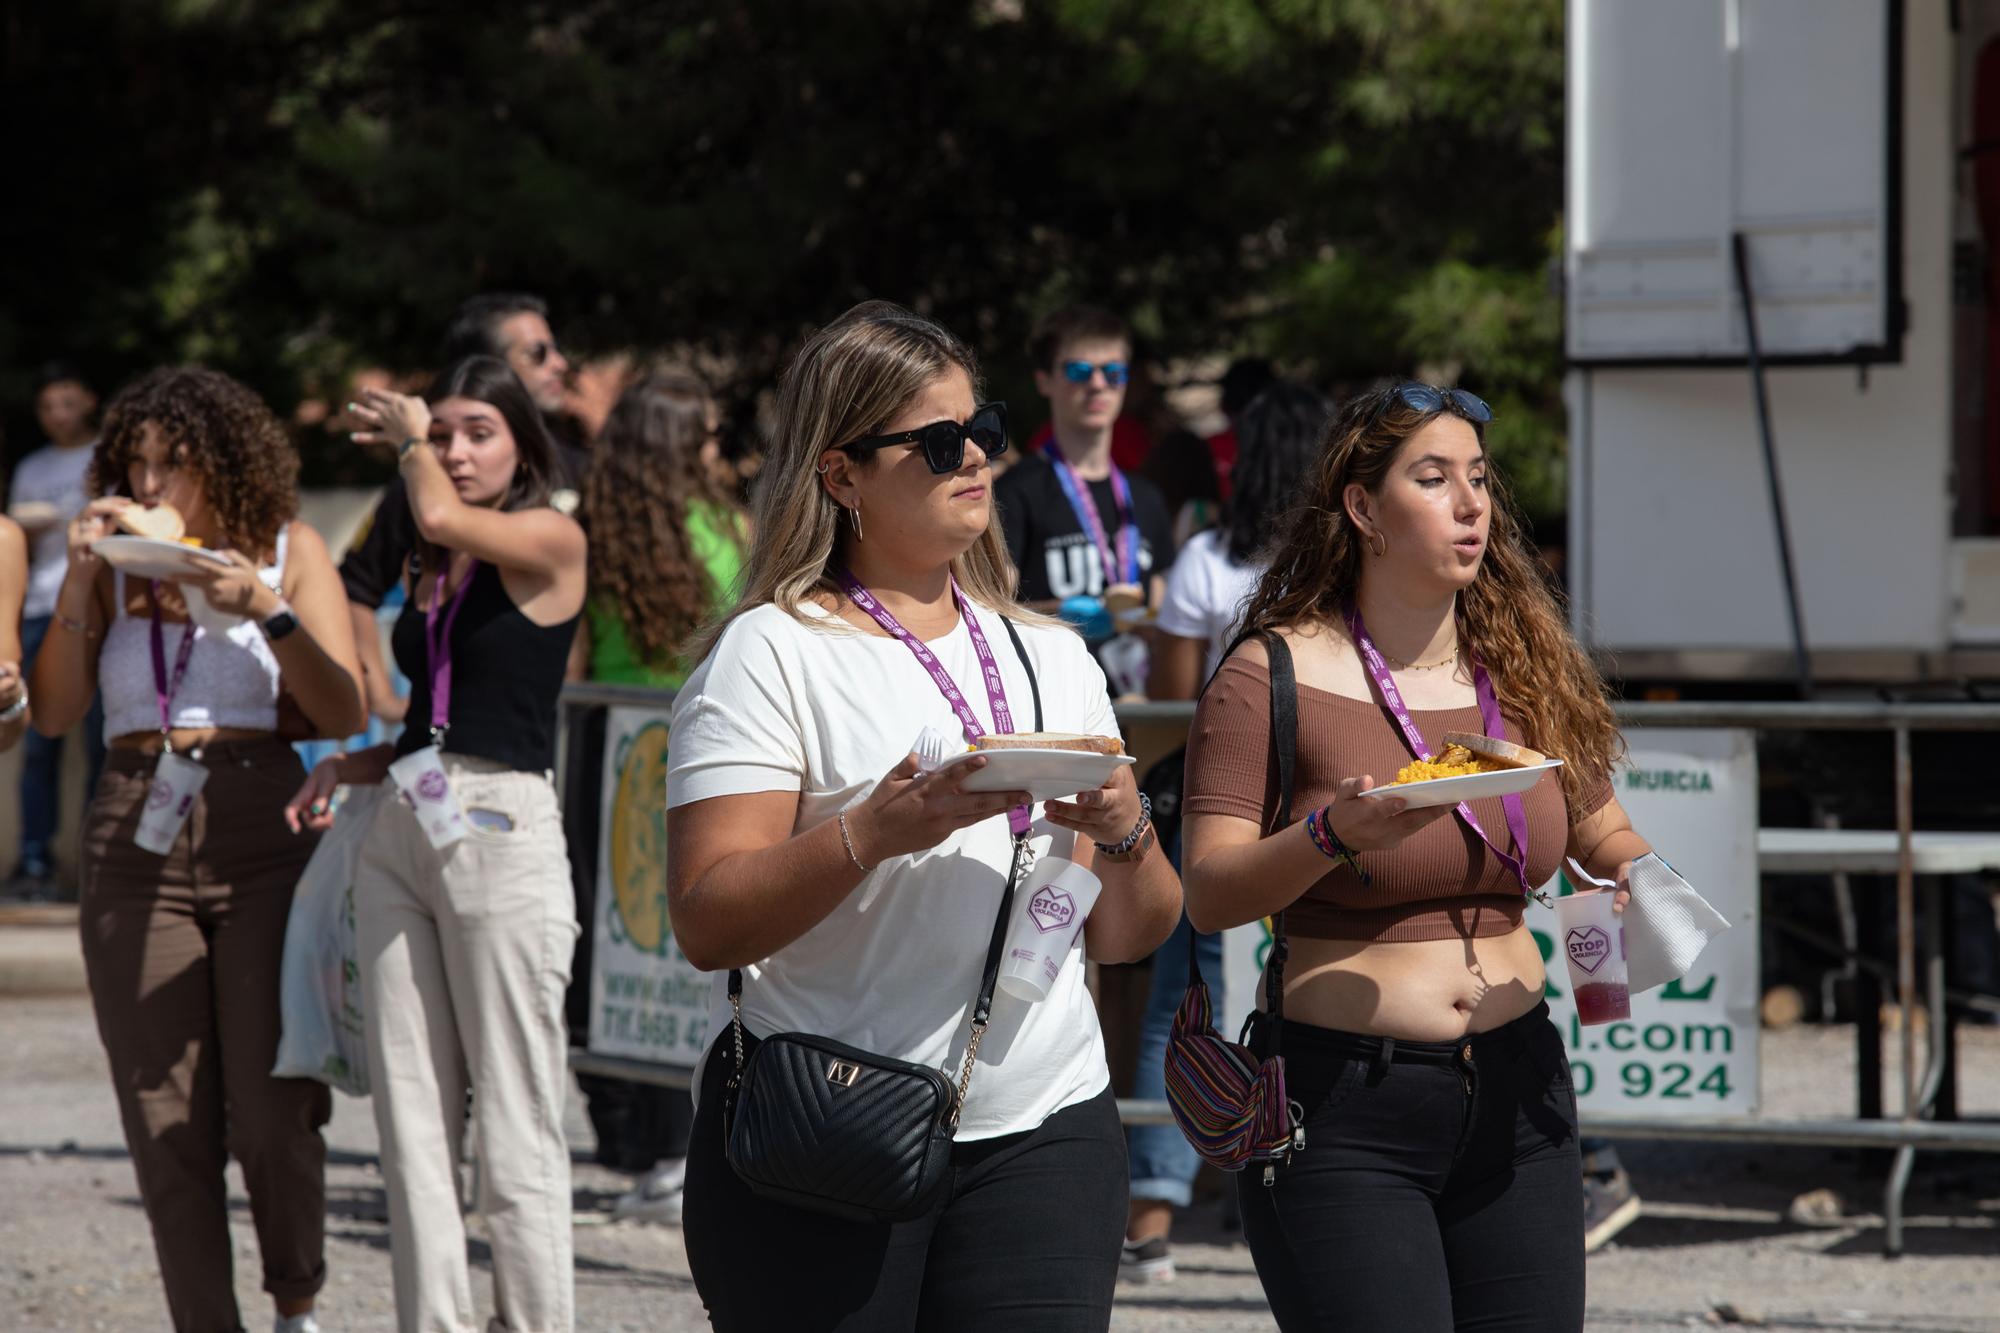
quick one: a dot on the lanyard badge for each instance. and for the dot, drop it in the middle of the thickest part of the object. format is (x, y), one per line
(420, 776)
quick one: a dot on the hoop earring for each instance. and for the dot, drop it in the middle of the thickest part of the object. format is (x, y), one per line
(1381, 550)
(855, 514)
(823, 469)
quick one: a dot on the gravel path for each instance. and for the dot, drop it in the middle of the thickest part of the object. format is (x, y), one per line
(75, 1253)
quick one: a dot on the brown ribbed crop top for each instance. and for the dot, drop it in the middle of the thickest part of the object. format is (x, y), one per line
(1442, 882)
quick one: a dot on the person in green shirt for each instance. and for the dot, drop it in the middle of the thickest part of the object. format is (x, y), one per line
(666, 536)
(666, 554)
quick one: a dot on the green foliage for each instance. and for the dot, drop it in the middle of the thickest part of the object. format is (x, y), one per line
(1356, 187)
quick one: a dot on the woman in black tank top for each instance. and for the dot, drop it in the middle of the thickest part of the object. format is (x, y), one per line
(464, 911)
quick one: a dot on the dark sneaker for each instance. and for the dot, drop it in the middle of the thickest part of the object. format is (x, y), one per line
(1147, 1261)
(1609, 1206)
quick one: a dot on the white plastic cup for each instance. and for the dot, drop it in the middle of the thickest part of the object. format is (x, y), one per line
(1592, 939)
(1048, 911)
(169, 801)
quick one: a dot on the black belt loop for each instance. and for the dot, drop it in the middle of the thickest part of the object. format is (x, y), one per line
(1385, 1054)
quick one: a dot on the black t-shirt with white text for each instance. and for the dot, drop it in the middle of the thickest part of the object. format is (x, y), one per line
(1056, 556)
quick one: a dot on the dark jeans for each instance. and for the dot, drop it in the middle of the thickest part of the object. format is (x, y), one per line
(41, 763)
(1026, 1237)
(1440, 1186)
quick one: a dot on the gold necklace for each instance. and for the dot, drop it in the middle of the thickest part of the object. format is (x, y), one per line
(1425, 666)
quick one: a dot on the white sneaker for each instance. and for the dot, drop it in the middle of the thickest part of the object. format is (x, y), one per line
(298, 1323)
(657, 1199)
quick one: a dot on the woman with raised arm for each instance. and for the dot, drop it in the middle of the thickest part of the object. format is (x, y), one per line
(465, 917)
(852, 893)
(184, 923)
(1439, 1183)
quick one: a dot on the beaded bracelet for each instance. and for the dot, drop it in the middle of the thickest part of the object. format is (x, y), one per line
(1319, 827)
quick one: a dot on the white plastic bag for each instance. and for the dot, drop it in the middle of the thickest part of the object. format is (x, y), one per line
(320, 987)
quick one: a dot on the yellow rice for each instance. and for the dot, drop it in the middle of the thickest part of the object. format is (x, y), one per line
(1454, 761)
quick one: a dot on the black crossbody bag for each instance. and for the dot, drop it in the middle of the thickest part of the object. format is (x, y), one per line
(831, 1128)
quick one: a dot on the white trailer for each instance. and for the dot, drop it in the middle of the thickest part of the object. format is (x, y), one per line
(1845, 142)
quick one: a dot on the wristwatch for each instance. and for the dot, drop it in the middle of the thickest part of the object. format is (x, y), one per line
(279, 623)
(12, 712)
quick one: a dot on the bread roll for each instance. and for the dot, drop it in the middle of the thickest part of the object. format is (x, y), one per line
(162, 522)
(1498, 751)
(1051, 740)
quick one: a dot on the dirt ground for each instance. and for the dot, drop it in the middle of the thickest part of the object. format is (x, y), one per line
(75, 1253)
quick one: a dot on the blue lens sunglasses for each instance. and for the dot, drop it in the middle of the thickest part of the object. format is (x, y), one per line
(1116, 373)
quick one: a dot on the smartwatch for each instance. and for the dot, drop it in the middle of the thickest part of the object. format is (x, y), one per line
(279, 623)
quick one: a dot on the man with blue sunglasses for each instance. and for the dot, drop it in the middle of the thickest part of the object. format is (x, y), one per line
(1090, 541)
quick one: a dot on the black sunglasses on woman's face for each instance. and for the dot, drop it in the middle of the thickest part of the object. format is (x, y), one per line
(944, 441)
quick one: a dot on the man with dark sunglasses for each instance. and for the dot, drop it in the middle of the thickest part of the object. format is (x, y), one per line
(1088, 539)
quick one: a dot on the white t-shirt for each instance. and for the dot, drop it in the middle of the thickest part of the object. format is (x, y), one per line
(784, 706)
(50, 476)
(1206, 593)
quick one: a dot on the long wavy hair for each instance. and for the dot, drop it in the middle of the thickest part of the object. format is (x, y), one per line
(1277, 438)
(849, 381)
(1507, 615)
(646, 467)
(489, 380)
(220, 431)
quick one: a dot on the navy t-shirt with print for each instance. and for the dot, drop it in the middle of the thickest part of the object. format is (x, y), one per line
(1056, 556)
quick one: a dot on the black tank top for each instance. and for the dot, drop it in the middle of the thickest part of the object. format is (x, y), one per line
(506, 672)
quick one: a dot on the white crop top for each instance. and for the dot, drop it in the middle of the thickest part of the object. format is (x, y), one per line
(231, 681)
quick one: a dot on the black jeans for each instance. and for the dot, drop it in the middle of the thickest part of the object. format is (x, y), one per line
(1440, 1187)
(1026, 1237)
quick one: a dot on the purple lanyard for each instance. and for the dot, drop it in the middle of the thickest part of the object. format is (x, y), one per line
(1121, 564)
(437, 643)
(1489, 714)
(996, 690)
(165, 687)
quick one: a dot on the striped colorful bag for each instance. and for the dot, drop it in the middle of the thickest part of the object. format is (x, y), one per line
(1231, 1106)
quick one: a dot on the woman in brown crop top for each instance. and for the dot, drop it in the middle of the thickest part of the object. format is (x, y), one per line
(1440, 1184)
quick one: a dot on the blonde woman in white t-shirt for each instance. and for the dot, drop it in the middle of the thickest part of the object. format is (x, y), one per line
(858, 894)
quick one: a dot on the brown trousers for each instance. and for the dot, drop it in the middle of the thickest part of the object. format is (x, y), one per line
(183, 954)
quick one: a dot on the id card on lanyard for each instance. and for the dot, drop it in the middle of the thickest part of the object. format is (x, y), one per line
(1120, 559)
(177, 779)
(1018, 819)
(420, 776)
(1489, 716)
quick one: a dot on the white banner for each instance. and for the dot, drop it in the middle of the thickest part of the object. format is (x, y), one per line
(1690, 1047)
(646, 1000)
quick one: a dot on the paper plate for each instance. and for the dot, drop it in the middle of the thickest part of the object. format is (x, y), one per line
(151, 558)
(1046, 775)
(1472, 786)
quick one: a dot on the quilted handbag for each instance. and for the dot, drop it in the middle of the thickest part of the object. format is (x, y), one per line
(831, 1128)
(1231, 1106)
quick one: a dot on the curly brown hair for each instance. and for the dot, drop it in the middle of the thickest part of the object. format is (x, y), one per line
(217, 429)
(1507, 615)
(645, 469)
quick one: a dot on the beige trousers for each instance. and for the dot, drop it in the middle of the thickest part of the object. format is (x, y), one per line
(465, 953)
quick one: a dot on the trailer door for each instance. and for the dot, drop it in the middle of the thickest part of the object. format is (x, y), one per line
(1691, 120)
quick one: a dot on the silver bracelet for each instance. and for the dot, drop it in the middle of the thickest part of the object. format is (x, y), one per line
(1138, 830)
(848, 842)
(12, 712)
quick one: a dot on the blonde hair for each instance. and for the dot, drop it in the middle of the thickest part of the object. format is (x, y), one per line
(847, 382)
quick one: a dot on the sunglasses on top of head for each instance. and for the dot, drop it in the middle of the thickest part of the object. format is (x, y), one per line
(1079, 372)
(943, 442)
(1429, 399)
